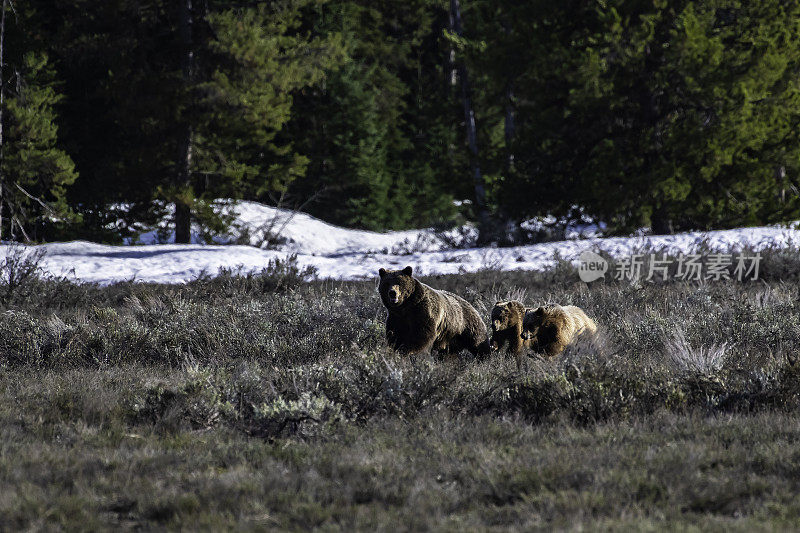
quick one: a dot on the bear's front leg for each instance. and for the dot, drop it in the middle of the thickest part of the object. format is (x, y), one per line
(496, 342)
(515, 340)
(420, 340)
(394, 332)
(516, 346)
(391, 332)
(483, 349)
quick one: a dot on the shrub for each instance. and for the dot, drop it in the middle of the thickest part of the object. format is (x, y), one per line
(19, 270)
(278, 276)
(675, 346)
(306, 416)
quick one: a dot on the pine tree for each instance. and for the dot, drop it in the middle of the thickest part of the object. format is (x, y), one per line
(34, 171)
(254, 63)
(673, 115)
(117, 60)
(377, 133)
(188, 101)
(246, 63)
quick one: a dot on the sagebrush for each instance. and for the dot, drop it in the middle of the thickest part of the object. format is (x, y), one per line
(268, 400)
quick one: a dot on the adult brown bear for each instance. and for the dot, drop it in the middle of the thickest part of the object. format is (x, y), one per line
(421, 318)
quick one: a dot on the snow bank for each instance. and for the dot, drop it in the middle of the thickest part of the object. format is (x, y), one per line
(303, 234)
(340, 253)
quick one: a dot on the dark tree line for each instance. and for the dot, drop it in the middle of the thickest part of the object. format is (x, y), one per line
(382, 115)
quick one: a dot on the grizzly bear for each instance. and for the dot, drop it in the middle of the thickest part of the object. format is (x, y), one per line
(550, 329)
(421, 318)
(507, 320)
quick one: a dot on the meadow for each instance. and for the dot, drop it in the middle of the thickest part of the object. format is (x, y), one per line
(271, 401)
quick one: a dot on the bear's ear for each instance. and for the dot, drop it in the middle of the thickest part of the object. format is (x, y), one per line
(382, 272)
(538, 312)
(407, 271)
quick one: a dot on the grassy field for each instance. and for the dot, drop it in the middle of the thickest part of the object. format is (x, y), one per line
(268, 402)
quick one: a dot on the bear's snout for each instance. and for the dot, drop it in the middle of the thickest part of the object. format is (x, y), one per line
(394, 295)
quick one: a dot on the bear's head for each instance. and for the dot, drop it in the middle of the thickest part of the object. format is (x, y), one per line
(506, 315)
(396, 286)
(541, 325)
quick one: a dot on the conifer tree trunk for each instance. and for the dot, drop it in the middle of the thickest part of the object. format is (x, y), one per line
(2, 108)
(661, 224)
(183, 212)
(472, 137)
(509, 126)
(183, 218)
(780, 180)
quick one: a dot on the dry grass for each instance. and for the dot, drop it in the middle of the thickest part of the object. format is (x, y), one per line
(263, 402)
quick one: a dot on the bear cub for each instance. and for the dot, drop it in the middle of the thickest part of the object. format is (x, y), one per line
(552, 328)
(507, 318)
(421, 318)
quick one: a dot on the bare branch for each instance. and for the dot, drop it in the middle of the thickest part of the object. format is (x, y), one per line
(35, 199)
(14, 220)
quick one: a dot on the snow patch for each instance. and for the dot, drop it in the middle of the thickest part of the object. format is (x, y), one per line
(340, 253)
(296, 232)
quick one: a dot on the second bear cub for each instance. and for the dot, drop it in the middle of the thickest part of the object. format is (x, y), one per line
(550, 329)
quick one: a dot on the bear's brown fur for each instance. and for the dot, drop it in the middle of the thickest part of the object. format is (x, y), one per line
(421, 318)
(507, 320)
(550, 329)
